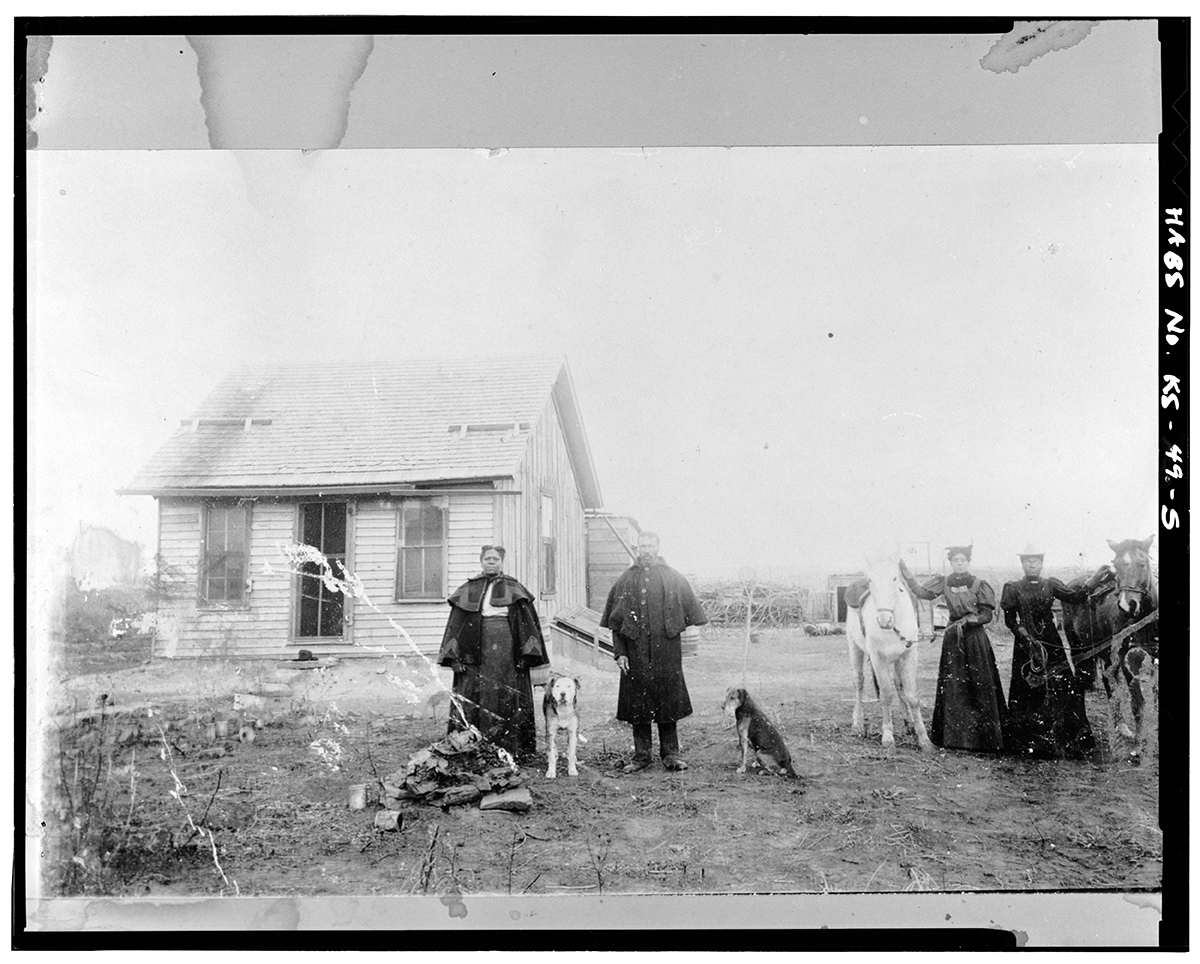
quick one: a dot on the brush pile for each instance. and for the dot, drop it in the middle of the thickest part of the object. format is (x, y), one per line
(459, 769)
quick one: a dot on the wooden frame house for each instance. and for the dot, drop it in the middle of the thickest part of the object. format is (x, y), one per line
(397, 471)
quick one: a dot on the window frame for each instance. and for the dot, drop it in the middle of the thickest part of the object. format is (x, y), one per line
(443, 504)
(206, 510)
(547, 587)
(347, 602)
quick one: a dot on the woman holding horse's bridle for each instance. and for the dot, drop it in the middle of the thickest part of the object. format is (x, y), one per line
(969, 712)
(1046, 715)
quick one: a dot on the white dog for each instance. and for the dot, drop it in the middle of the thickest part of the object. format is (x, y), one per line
(561, 710)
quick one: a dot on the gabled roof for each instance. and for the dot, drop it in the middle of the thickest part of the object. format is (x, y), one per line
(369, 424)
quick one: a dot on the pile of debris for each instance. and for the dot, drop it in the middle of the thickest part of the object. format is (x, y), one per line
(462, 768)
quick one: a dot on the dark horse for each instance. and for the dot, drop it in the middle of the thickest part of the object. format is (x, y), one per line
(1128, 597)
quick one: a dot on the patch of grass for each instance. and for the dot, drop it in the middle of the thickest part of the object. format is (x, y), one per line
(823, 884)
(836, 813)
(83, 657)
(598, 846)
(919, 880)
(103, 837)
(1142, 839)
(908, 837)
(1087, 838)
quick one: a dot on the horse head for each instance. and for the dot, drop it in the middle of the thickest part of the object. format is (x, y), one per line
(1137, 593)
(894, 607)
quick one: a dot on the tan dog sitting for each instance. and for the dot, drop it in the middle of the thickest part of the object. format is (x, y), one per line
(560, 706)
(757, 736)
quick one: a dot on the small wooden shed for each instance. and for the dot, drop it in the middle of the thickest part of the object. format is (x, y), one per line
(834, 608)
(397, 472)
(612, 548)
(930, 616)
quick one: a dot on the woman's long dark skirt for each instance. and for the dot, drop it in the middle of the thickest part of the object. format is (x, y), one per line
(1050, 720)
(497, 696)
(969, 712)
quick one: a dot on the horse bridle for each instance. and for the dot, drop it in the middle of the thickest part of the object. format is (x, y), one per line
(1137, 563)
(1137, 589)
(1116, 589)
(908, 643)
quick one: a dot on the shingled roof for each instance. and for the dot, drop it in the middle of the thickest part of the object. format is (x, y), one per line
(368, 425)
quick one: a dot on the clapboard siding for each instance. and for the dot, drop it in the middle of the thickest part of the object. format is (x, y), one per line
(546, 465)
(260, 627)
(264, 626)
(470, 526)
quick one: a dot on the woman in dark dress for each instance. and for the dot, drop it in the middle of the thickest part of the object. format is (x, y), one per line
(969, 710)
(492, 640)
(1046, 715)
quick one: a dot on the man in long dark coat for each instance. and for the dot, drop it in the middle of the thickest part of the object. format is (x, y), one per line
(648, 607)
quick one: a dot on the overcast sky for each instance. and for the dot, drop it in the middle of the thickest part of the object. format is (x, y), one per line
(782, 355)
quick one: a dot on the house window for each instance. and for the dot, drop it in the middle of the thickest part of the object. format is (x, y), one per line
(322, 526)
(549, 564)
(421, 562)
(225, 559)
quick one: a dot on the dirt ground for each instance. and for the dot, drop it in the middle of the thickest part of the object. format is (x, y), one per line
(859, 820)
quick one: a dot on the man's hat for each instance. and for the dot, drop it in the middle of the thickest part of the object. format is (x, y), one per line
(1031, 549)
(952, 551)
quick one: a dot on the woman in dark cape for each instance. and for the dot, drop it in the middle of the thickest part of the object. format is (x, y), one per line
(1046, 714)
(492, 640)
(969, 712)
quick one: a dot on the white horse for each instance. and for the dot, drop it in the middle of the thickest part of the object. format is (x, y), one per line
(884, 630)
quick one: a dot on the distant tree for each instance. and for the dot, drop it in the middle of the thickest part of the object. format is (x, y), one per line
(165, 583)
(87, 615)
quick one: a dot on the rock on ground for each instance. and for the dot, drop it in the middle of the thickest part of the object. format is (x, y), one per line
(519, 800)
